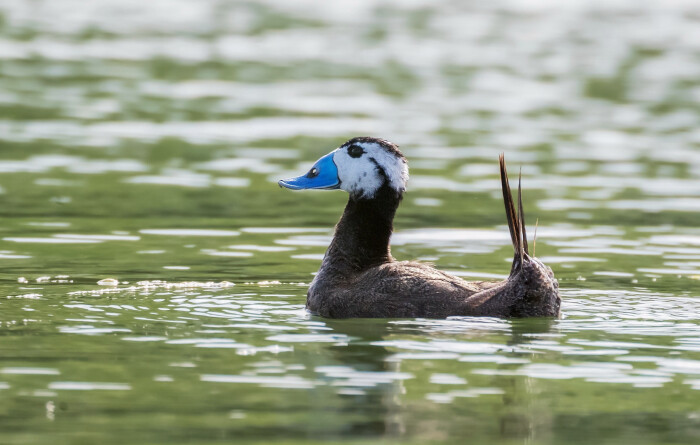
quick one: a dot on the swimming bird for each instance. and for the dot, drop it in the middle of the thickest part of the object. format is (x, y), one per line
(360, 278)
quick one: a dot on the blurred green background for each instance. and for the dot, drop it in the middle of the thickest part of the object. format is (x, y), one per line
(141, 142)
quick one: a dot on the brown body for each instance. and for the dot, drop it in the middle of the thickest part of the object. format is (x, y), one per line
(360, 278)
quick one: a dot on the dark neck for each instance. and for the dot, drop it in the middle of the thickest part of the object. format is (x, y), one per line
(362, 235)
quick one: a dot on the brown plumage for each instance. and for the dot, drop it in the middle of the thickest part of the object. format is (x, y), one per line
(359, 277)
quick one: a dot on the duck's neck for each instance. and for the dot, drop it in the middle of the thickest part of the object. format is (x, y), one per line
(362, 235)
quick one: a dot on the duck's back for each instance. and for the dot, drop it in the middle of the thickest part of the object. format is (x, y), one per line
(393, 289)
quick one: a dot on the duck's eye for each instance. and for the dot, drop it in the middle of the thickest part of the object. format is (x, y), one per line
(312, 173)
(355, 151)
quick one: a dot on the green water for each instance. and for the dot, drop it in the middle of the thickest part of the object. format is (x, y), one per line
(140, 142)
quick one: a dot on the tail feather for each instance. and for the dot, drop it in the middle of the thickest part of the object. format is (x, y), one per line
(516, 220)
(511, 216)
(522, 213)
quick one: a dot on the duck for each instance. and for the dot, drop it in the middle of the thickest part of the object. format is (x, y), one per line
(359, 277)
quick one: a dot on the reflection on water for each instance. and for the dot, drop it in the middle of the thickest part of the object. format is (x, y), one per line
(153, 276)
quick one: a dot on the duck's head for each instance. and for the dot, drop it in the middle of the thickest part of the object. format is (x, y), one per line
(361, 167)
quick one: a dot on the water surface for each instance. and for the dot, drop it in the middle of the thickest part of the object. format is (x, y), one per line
(153, 276)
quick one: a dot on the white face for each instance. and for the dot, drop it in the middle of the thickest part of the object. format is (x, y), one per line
(365, 165)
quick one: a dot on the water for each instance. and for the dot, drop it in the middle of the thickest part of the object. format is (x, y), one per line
(153, 276)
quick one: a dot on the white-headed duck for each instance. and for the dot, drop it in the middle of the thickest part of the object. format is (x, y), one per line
(359, 277)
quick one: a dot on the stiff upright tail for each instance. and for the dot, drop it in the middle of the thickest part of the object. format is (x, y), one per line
(516, 219)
